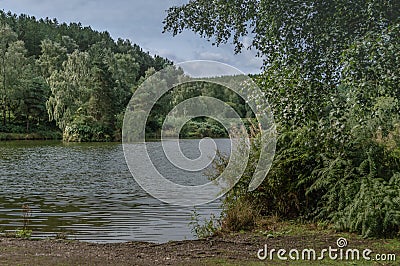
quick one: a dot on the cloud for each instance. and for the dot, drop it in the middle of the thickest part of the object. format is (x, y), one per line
(246, 61)
(207, 55)
(167, 53)
(204, 68)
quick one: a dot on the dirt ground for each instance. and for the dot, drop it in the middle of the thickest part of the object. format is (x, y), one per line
(228, 249)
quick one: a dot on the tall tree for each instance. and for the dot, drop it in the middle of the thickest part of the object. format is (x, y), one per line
(52, 57)
(101, 105)
(7, 37)
(125, 72)
(300, 41)
(17, 69)
(14, 68)
(32, 101)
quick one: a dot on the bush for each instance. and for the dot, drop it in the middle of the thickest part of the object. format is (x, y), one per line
(239, 216)
(13, 128)
(343, 169)
(208, 228)
(358, 183)
(86, 129)
(200, 129)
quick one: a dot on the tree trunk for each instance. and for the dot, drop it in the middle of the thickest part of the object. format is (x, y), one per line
(4, 117)
(27, 121)
(4, 89)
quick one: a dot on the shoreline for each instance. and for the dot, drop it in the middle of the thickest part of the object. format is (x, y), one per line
(30, 136)
(56, 136)
(222, 249)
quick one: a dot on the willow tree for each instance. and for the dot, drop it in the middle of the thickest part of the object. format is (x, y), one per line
(69, 89)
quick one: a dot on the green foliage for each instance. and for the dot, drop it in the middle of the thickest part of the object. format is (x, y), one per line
(32, 104)
(206, 228)
(182, 90)
(203, 128)
(86, 129)
(66, 74)
(359, 181)
(331, 75)
(351, 181)
(300, 42)
(69, 73)
(23, 233)
(51, 58)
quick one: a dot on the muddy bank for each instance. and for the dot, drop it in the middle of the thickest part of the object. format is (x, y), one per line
(231, 249)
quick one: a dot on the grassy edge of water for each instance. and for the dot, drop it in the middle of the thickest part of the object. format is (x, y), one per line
(52, 135)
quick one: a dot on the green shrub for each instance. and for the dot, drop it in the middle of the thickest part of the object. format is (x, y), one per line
(204, 229)
(86, 129)
(203, 128)
(23, 233)
(343, 169)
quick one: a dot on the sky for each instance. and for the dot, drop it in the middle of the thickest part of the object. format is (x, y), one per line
(139, 21)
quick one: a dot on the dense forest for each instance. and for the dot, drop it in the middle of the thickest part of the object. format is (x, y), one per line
(58, 77)
(71, 80)
(332, 76)
(184, 88)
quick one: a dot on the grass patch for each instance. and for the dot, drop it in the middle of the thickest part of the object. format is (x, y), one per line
(293, 234)
(239, 216)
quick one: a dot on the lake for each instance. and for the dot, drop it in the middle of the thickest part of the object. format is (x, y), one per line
(85, 190)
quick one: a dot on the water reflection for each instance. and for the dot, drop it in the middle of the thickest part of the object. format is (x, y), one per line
(86, 190)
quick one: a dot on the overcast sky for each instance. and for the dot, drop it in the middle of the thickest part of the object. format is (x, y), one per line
(137, 20)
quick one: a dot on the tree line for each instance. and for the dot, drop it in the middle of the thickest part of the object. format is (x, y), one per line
(78, 81)
(66, 77)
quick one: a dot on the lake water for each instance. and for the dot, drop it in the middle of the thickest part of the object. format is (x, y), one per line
(86, 191)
